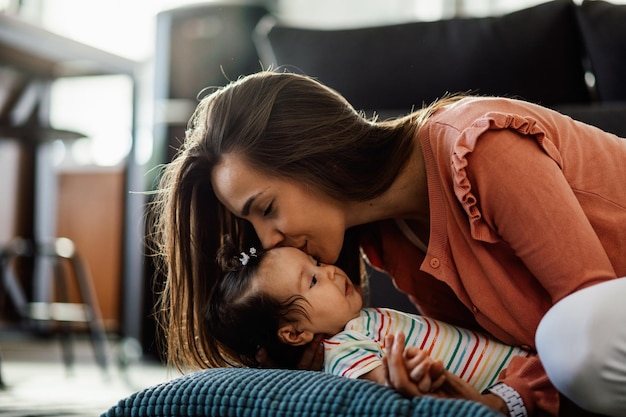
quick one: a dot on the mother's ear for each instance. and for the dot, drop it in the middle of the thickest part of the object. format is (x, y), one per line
(289, 335)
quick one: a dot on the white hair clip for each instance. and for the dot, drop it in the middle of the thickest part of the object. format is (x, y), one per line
(245, 257)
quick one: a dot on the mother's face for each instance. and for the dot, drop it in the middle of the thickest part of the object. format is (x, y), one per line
(283, 212)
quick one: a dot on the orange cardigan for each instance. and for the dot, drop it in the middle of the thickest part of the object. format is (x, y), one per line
(526, 207)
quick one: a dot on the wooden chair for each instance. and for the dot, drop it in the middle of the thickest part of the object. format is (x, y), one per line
(49, 308)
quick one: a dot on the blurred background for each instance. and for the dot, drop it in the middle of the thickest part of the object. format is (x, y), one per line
(94, 95)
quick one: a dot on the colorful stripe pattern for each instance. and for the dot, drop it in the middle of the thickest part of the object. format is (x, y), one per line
(474, 357)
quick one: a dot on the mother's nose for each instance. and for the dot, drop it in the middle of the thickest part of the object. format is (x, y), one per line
(270, 237)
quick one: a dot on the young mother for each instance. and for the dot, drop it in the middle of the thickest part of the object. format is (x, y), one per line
(486, 211)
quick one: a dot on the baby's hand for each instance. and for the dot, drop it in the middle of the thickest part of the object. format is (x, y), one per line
(411, 371)
(427, 373)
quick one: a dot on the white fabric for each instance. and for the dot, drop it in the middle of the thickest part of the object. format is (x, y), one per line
(581, 342)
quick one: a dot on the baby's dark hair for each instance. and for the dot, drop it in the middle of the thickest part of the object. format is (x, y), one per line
(243, 321)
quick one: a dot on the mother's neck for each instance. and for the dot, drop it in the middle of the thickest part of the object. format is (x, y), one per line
(407, 198)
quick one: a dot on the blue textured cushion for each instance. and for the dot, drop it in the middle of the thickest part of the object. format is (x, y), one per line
(236, 392)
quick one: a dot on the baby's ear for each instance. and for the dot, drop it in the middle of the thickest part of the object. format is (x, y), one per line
(289, 335)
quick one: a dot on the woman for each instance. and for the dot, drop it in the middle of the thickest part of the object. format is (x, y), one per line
(486, 211)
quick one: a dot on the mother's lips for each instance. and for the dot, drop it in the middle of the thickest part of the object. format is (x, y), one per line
(303, 248)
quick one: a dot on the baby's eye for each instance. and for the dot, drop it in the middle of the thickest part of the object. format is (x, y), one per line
(313, 281)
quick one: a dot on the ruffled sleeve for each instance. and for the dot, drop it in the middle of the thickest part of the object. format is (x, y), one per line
(466, 144)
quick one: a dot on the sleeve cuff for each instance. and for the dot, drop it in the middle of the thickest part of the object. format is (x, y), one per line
(513, 400)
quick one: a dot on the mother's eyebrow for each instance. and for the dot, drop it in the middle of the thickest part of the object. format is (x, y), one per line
(245, 211)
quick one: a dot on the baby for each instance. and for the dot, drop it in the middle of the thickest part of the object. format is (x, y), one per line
(281, 298)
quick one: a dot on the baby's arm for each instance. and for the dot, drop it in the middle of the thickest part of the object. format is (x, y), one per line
(427, 372)
(377, 375)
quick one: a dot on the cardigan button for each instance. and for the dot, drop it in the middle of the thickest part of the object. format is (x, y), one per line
(434, 262)
(475, 309)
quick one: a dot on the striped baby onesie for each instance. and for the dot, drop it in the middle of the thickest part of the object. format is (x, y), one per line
(472, 356)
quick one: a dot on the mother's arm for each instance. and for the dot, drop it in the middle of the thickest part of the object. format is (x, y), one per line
(535, 203)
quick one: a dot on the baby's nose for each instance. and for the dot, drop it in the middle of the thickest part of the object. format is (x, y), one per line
(329, 272)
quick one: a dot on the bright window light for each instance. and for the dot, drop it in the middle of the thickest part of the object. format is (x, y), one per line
(100, 108)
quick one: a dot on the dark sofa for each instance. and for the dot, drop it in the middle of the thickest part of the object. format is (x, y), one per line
(548, 54)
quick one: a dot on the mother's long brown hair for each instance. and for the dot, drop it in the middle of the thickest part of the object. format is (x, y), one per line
(284, 125)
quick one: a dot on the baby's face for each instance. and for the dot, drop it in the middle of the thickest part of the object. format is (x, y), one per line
(331, 298)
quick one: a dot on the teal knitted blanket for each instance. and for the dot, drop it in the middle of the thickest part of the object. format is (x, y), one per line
(239, 392)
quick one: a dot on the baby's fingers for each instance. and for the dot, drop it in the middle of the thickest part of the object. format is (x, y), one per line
(426, 373)
(396, 373)
(438, 383)
(437, 369)
(425, 384)
(418, 371)
(414, 356)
